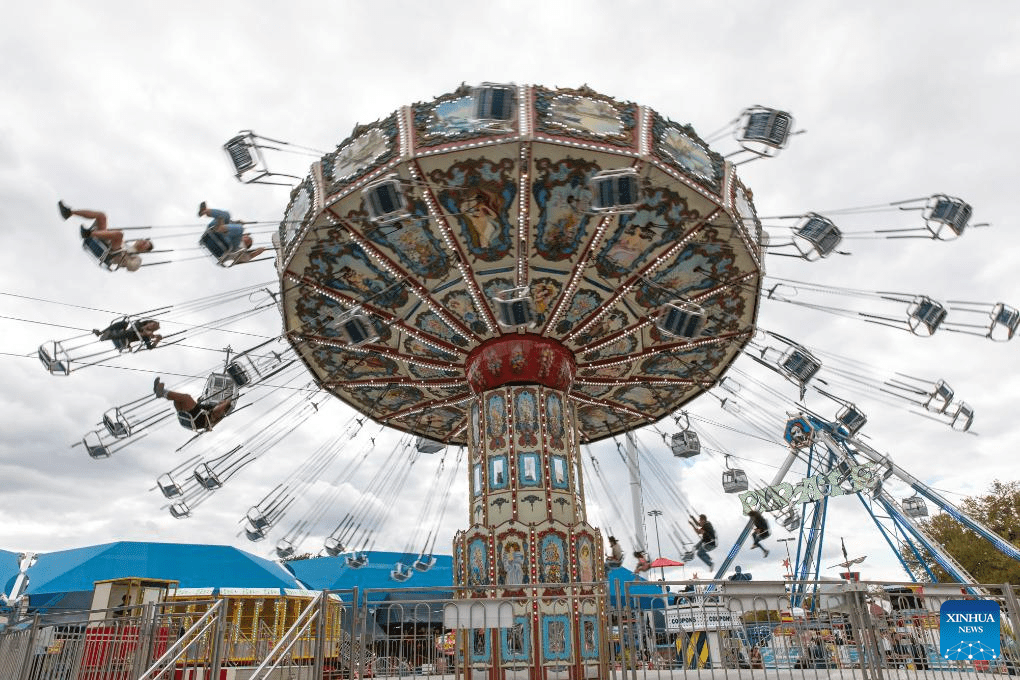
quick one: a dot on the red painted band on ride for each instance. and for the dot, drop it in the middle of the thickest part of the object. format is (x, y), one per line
(778, 496)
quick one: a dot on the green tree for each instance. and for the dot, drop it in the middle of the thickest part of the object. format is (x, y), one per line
(999, 510)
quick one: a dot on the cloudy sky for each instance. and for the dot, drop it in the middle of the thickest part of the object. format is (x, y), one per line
(124, 107)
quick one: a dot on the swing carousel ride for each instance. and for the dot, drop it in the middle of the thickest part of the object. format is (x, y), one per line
(522, 272)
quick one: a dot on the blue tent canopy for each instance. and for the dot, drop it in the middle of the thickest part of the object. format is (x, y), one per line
(193, 566)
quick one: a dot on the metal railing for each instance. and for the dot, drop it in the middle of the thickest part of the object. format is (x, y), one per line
(679, 629)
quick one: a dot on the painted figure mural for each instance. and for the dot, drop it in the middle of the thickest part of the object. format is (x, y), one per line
(512, 558)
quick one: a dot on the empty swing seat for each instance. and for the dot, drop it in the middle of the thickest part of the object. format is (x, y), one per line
(357, 560)
(945, 211)
(925, 316)
(355, 328)
(239, 150)
(940, 397)
(799, 364)
(246, 158)
(1005, 320)
(614, 191)
(168, 487)
(493, 102)
(962, 418)
(95, 447)
(55, 359)
(180, 510)
(681, 319)
(514, 308)
(385, 200)
(425, 445)
(734, 481)
(424, 562)
(685, 444)
(333, 546)
(915, 507)
(769, 127)
(852, 418)
(258, 519)
(116, 424)
(254, 535)
(284, 549)
(238, 374)
(400, 572)
(206, 477)
(820, 233)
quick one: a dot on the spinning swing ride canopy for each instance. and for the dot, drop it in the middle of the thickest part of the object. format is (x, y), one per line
(473, 241)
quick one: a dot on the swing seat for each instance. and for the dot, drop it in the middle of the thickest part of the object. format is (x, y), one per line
(206, 477)
(218, 245)
(116, 424)
(680, 319)
(258, 519)
(284, 549)
(514, 308)
(425, 445)
(355, 327)
(238, 374)
(764, 131)
(180, 510)
(816, 237)
(122, 344)
(190, 422)
(98, 451)
(333, 547)
(253, 535)
(424, 563)
(100, 251)
(614, 191)
(385, 200)
(493, 103)
(924, 316)
(168, 487)
(51, 361)
(401, 573)
(357, 560)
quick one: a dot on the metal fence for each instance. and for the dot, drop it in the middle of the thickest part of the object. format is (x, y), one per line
(730, 629)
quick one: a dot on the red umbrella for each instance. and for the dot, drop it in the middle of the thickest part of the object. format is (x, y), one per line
(665, 562)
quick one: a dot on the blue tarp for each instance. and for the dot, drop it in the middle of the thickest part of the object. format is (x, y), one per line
(193, 566)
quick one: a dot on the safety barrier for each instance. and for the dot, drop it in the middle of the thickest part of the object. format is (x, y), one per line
(678, 629)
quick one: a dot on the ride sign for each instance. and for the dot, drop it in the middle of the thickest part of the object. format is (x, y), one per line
(811, 489)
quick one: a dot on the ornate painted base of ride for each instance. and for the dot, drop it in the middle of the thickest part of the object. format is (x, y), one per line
(528, 533)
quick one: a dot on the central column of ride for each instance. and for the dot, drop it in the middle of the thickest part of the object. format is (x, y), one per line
(529, 546)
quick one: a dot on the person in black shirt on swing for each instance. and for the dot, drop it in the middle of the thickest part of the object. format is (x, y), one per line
(706, 531)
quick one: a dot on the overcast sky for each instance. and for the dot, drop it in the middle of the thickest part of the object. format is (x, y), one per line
(124, 107)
